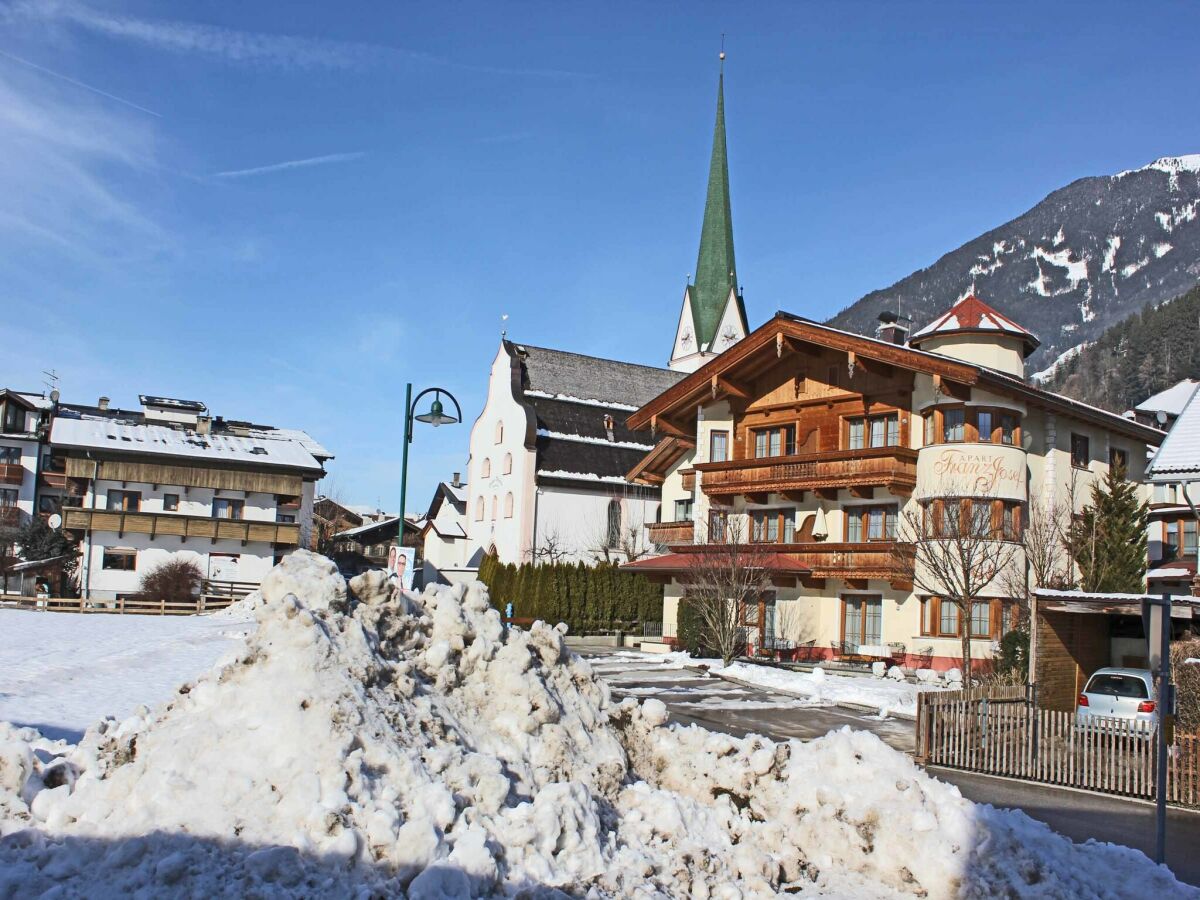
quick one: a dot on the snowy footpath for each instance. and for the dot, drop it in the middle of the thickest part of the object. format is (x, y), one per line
(368, 743)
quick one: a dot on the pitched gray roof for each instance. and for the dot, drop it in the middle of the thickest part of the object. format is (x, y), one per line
(604, 381)
(1179, 454)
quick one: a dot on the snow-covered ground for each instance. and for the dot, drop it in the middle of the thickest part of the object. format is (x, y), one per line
(62, 672)
(387, 744)
(819, 686)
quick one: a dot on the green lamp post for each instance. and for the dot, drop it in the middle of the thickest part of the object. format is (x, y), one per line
(436, 416)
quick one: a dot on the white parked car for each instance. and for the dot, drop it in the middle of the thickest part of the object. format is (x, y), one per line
(1113, 693)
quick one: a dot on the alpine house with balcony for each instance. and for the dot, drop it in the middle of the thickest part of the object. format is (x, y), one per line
(826, 448)
(141, 486)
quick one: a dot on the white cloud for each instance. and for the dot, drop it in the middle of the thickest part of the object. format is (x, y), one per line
(71, 167)
(243, 47)
(291, 164)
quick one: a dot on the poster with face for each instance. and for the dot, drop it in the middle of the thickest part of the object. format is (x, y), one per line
(401, 565)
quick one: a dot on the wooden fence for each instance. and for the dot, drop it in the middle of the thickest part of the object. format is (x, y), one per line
(127, 605)
(998, 731)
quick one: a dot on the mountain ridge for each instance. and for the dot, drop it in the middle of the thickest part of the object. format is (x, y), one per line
(1087, 256)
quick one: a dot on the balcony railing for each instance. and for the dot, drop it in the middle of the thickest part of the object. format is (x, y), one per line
(668, 533)
(10, 517)
(11, 473)
(884, 559)
(889, 560)
(891, 467)
(175, 525)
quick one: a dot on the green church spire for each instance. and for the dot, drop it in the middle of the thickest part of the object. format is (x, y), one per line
(716, 272)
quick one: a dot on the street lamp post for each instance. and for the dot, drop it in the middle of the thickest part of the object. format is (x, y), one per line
(436, 416)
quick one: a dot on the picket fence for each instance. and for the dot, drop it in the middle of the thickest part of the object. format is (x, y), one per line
(126, 605)
(998, 731)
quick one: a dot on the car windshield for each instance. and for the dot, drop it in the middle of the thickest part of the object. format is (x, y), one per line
(1117, 686)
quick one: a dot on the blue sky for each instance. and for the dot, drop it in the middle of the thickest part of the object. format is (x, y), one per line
(288, 209)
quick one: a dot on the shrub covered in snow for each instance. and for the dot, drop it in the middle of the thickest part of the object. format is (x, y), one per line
(375, 742)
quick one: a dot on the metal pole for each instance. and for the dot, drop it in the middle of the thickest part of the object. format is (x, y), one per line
(404, 464)
(1161, 704)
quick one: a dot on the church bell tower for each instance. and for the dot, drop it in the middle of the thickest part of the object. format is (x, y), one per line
(713, 317)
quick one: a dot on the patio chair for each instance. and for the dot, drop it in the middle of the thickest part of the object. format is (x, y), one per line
(898, 652)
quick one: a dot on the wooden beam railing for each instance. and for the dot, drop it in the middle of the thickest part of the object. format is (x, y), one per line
(668, 533)
(891, 467)
(142, 606)
(11, 473)
(892, 560)
(184, 527)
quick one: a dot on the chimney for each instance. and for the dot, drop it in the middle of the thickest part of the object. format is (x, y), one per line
(456, 481)
(203, 425)
(891, 328)
(102, 403)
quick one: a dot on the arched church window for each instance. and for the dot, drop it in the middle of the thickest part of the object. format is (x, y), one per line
(508, 506)
(485, 470)
(613, 534)
(500, 432)
(495, 506)
(479, 510)
(507, 463)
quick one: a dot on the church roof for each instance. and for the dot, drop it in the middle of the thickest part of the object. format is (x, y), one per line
(590, 379)
(972, 315)
(716, 270)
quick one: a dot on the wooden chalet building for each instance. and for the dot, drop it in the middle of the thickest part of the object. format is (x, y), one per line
(820, 444)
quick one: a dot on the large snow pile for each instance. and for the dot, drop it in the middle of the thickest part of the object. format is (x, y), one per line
(382, 743)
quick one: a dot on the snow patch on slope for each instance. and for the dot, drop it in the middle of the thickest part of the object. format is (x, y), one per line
(1076, 269)
(1051, 370)
(382, 743)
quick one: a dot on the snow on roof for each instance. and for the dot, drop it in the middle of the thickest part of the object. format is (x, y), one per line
(1098, 597)
(1169, 573)
(459, 491)
(1172, 400)
(581, 476)
(303, 438)
(1179, 454)
(99, 433)
(972, 314)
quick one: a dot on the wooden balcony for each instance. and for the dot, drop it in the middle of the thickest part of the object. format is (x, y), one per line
(11, 473)
(57, 480)
(671, 533)
(886, 560)
(894, 468)
(10, 517)
(184, 527)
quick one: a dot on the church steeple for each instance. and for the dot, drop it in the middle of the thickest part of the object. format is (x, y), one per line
(713, 316)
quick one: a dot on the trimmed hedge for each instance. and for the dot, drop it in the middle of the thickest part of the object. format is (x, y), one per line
(587, 598)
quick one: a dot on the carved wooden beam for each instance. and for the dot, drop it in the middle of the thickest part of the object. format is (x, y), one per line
(793, 496)
(666, 426)
(863, 492)
(827, 493)
(756, 497)
(813, 582)
(856, 584)
(731, 387)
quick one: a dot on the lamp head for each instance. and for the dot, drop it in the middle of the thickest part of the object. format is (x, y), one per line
(437, 414)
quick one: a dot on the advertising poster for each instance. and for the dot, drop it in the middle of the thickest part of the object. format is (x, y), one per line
(401, 565)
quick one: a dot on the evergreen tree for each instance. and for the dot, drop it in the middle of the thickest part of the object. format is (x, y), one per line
(39, 541)
(1108, 539)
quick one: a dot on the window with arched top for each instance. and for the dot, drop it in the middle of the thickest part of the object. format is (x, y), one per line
(614, 523)
(485, 470)
(500, 432)
(479, 510)
(507, 463)
(508, 506)
(495, 506)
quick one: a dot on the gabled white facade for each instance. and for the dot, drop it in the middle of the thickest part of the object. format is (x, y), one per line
(688, 354)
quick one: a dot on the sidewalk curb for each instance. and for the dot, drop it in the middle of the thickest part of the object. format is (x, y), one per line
(857, 707)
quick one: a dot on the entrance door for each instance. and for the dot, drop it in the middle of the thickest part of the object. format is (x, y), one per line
(862, 620)
(759, 618)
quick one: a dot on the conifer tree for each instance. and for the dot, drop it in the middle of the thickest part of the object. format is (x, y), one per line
(1108, 539)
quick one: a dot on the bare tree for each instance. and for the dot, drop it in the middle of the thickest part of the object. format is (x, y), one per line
(956, 555)
(610, 541)
(723, 578)
(1044, 538)
(552, 548)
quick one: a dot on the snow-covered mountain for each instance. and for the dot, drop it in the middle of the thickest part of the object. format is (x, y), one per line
(1087, 256)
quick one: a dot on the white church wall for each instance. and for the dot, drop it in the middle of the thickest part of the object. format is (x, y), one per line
(577, 520)
(500, 466)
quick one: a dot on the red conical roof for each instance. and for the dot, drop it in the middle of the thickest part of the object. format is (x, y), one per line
(971, 315)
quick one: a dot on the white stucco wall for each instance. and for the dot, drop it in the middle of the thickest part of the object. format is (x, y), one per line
(510, 535)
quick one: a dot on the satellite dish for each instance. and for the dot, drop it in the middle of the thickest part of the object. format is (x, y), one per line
(55, 521)
(1161, 415)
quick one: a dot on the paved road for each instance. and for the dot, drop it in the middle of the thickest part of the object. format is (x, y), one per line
(721, 706)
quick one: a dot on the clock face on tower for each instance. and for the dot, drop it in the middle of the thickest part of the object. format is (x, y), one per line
(729, 335)
(686, 339)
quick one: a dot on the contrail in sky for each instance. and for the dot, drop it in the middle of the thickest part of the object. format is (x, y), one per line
(290, 164)
(86, 87)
